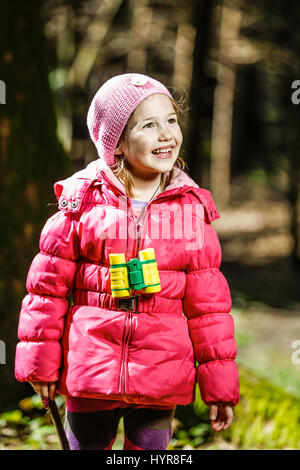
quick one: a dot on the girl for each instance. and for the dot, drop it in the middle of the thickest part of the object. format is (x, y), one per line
(139, 355)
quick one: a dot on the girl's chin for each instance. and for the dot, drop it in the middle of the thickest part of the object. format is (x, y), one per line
(165, 162)
(156, 165)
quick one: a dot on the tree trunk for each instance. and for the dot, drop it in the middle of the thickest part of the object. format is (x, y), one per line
(197, 150)
(31, 161)
(139, 36)
(292, 139)
(223, 107)
(293, 150)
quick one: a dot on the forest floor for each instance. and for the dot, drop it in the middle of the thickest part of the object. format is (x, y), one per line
(255, 242)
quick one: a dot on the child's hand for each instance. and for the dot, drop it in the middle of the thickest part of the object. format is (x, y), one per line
(221, 416)
(47, 390)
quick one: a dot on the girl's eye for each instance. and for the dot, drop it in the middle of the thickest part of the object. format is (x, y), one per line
(172, 120)
(149, 124)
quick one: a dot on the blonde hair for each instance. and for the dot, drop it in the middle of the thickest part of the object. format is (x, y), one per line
(121, 170)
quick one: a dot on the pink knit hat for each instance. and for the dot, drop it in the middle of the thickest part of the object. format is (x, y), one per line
(112, 106)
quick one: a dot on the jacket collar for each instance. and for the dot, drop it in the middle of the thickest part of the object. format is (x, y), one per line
(180, 178)
(180, 183)
(70, 195)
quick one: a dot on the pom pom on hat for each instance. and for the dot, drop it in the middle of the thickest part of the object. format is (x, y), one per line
(112, 106)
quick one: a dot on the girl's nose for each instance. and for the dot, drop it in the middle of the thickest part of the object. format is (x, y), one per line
(164, 133)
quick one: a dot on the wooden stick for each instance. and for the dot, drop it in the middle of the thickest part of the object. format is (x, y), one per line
(54, 413)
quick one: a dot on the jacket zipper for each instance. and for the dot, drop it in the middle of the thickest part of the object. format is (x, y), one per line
(126, 350)
(128, 328)
(137, 252)
(122, 360)
(128, 318)
(126, 338)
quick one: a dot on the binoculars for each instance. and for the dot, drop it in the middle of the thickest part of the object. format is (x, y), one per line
(138, 274)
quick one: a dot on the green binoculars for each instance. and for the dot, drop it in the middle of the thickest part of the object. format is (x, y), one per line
(138, 274)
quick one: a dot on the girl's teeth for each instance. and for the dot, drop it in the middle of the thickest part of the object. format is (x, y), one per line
(162, 151)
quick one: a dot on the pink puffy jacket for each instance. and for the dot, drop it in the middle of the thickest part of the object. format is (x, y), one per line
(154, 354)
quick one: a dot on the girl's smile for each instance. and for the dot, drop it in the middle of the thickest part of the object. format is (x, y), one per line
(163, 152)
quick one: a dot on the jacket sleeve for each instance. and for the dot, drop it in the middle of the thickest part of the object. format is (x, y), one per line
(207, 304)
(49, 283)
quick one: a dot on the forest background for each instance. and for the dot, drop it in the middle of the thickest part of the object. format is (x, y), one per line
(235, 65)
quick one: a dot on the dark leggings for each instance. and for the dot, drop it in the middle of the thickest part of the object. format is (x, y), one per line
(144, 429)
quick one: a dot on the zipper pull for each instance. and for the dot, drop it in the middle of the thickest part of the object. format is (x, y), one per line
(138, 236)
(139, 225)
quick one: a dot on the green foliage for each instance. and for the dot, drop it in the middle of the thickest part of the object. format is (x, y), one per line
(194, 428)
(29, 427)
(258, 177)
(267, 417)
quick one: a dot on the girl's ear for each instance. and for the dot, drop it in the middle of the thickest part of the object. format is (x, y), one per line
(118, 150)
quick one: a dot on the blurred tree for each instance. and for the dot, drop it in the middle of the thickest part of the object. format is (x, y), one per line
(139, 36)
(266, 123)
(231, 55)
(223, 105)
(200, 114)
(90, 23)
(257, 120)
(32, 159)
(292, 113)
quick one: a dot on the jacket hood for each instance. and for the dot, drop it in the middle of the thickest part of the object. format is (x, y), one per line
(70, 192)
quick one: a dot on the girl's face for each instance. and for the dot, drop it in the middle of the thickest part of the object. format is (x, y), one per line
(153, 138)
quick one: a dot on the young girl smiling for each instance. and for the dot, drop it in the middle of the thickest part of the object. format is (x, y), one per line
(139, 355)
